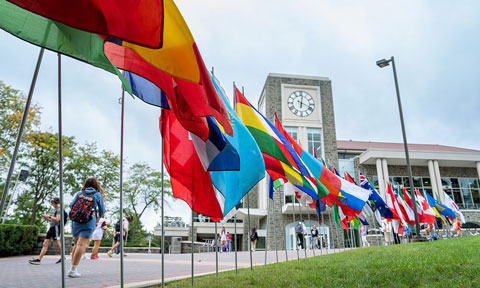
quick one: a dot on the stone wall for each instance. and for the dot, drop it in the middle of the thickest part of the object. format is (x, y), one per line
(52, 249)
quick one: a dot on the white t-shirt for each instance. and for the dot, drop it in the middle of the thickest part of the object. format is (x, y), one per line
(98, 233)
(223, 237)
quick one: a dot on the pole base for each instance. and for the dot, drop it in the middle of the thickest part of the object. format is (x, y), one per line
(419, 239)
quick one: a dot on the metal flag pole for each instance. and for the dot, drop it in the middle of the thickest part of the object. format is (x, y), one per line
(266, 235)
(320, 238)
(235, 238)
(121, 186)
(60, 168)
(274, 228)
(331, 227)
(163, 215)
(248, 212)
(311, 236)
(216, 250)
(303, 235)
(11, 199)
(294, 228)
(284, 228)
(20, 131)
(193, 249)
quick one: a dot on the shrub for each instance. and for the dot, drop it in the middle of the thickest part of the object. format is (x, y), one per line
(17, 239)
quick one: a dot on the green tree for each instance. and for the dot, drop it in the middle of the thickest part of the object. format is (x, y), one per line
(143, 191)
(12, 104)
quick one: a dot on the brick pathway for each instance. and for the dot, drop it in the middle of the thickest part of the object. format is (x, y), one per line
(140, 269)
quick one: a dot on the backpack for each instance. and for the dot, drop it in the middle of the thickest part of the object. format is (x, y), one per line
(252, 237)
(299, 228)
(117, 226)
(82, 210)
(65, 217)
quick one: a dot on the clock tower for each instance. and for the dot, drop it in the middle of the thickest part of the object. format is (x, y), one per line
(304, 105)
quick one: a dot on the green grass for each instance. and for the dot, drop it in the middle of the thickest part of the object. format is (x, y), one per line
(446, 263)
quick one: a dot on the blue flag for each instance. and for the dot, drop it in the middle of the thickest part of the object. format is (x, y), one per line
(442, 209)
(234, 185)
(319, 207)
(146, 90)
(270, 188)
(382, 207)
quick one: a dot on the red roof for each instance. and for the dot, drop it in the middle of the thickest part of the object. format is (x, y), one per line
(364, 145)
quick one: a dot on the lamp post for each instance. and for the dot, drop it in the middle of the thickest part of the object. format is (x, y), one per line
(384, 63)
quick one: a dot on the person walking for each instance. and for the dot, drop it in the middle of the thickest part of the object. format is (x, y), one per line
(53, 233)
(457, 226)
(314, 232)
(223, 241)
(97, 236)
(229, 242)
(125, 222)
(254, 238)
(300, 230)
(83, 216)
(363, 233)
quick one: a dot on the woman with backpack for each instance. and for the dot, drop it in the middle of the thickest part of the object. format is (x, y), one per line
(83, 207)
(254, 238)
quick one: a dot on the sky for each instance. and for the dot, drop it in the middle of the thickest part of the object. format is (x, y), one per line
(435, 45)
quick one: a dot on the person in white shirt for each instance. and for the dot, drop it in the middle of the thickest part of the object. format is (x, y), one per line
(97, 236)
(223, 240)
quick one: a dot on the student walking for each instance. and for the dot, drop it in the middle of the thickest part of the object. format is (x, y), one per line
(363, 233)
(97, 236)
(254, 238)
(53, 233)
(223, 241)
(314, 232)
(125, 222)
(300, 230)
(83, 216)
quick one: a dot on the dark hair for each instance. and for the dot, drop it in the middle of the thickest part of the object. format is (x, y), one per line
(56, 200)
(129, 218)
(254, 230)
(93, 183)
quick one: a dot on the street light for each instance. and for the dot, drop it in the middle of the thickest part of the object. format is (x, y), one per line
(384, 63)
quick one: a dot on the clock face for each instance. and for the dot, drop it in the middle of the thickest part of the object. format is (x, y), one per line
(301, 103)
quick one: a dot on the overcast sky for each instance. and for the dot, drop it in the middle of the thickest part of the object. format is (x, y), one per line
(435, 44)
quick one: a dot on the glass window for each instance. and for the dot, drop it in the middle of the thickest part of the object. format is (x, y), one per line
(292, 131)
(455, 183)
(446, 183)
(426, 182)
(467, 197)
(417, 182)
(476, 196)
(314, 137)
(464, 182)
(457, 197)
(396, 181)
(345, 165)
(375, 181)
(475, 183)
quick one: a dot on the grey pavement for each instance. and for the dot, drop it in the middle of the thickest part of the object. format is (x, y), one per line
(140, 270)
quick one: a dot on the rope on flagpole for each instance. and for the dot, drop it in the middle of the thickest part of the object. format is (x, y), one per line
(60, 169)
(294, 229)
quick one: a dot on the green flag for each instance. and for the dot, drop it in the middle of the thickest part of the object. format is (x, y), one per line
(33, 28)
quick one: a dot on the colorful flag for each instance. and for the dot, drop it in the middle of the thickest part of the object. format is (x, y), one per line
(130, 20)
(451, 204)
(406, 210)
(38, 30)
(339, 217)
(426, 213)
(382, 207)
(319, 207)
(281, 160)
(439, 207)
(349, 178)
(234, 185)
(190, 182)
(147, 91)
(393, 204)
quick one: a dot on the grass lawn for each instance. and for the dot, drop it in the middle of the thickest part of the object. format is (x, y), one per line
(445, 263)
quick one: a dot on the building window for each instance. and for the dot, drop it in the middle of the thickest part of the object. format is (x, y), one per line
(346, 165)
(314, 137)
(293, 132)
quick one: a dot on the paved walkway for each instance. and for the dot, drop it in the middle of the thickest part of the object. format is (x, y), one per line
(140, 269)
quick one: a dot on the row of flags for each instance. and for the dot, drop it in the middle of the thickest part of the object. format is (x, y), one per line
(214, 153)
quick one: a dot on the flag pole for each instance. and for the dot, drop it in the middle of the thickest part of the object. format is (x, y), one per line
(284, 228)
(248, 212)
(266, 235)
(235, 238)
(321, 239)
(294, 227)
(274, 227)
(331, 227)
(311, 236)
(60, 169)
(303, 235)
(163, 214)
(121, 186)
(216, 250)
(193, 249)
(20, 130)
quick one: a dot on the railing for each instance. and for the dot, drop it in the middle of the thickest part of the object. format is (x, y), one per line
(205, 219)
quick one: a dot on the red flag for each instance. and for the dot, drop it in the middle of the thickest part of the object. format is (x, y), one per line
(190, 182)
(136, 21)
(349, 178)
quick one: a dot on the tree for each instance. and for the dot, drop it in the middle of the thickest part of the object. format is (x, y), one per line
(143, 191)
(12, 104)
(43, 181)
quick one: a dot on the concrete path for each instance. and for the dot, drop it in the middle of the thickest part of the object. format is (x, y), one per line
(141, 270)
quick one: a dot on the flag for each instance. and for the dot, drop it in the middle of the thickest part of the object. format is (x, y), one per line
(281, 160)
(339, 217)
(38, 30)
(426, 213)
(234, 185)
(349, 178)
(382, 207)
(130, 20)
(406, 210)
(319, 207)
(190, 182)
(451, 204)
(270, 188)
(393, 204)
(441, 209)
(147, 91)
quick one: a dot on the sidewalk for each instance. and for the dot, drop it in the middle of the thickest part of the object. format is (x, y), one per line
(140, 270)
